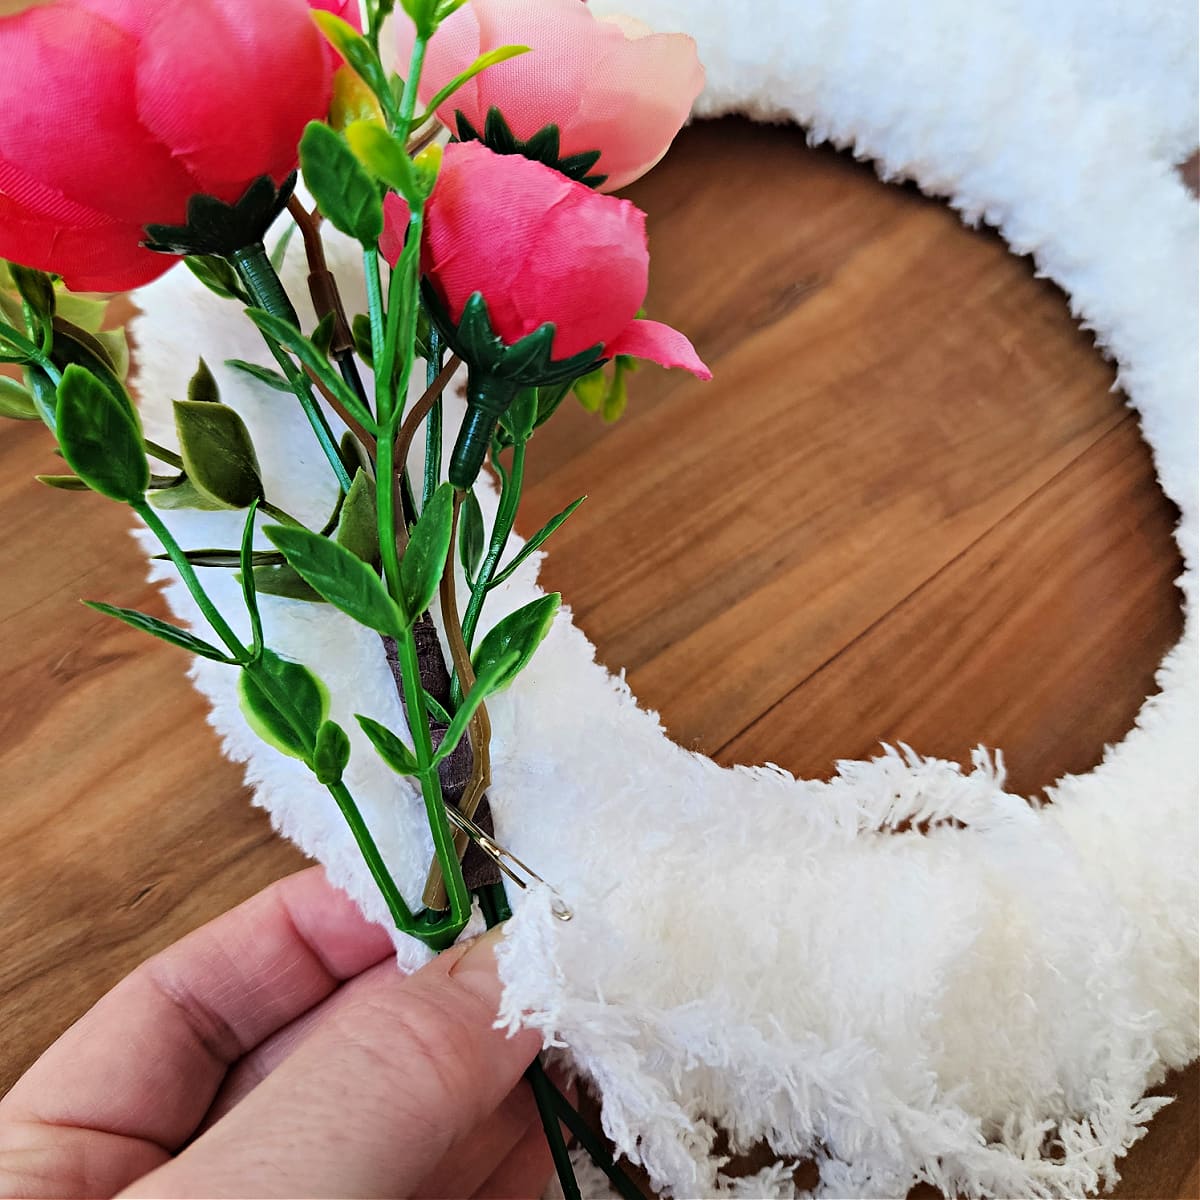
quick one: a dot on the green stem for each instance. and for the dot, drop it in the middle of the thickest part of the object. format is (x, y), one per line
(254, 269)
(191, 582)
(273, 510)
(510, 499)
(408, 101)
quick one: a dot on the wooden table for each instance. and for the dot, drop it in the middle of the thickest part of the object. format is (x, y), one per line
(910, 509)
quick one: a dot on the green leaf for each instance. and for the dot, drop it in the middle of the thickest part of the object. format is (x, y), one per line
(185, 495)
(203, 387)
(471, 537)
(36, 288)
(279, 254)
(249, 594)
(341, 577)
(425, 559)
(359, 56)
(45, 396)
(273, 379)
(358, 529)
(284, 581)
(389, 747)
(229, 559)
(218, 276)
(218, 454)
(15, 401)
(521, 417)
(331, 755)
(322, 335)
(549, 400)
(161, 630)
(520, 632)
(284, 703)
(386, 159)
(436, 711)
(592, 389)
(536, 541)
(346, 194)
(499, 55)
(361, 330)
(101, 438)
(499, 669)
(617, 399)
(64, 483)
(290, 338)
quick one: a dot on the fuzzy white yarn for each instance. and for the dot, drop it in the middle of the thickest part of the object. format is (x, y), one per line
(983, 1008)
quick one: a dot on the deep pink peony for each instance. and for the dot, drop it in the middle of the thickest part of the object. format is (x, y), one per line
(608, 85)
(114, 113)
(540, 248)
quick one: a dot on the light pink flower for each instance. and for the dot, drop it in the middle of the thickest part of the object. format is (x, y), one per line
(114, 113)
(540, 248)
(608, 86)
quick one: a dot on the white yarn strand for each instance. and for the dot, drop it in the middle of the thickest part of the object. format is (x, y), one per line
(983, 1008)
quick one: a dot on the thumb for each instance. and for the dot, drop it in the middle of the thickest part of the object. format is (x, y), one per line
(373, 1098)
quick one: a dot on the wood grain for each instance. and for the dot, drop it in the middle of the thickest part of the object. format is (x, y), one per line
(909, 508)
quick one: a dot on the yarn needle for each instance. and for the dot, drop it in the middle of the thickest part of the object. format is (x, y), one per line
(503, 857)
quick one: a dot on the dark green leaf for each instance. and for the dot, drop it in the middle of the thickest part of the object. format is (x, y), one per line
(230, 559)
(436, 711)
(273, 379)
(15, 401)
(536, 541)
(283, 580)
(331, 756)
(390, 748)
(249, 594)
(75, 345)
(425, 559)
(341, 577)
(185, 495)
(161, 630)
(499, 55)
(361, 329)
(101, 438)
(36, 288)
(358, 529)
(218, 276)
(346, 194)
(284, 703)
(549, 400)
(471, 537)
(203, 387)
(218, 454)
(45, 396)
(520, 632)
(499, 672)
(521, 418)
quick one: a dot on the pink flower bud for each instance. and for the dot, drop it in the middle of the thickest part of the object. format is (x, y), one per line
(541, 249)
(609, 85)
(114, 113)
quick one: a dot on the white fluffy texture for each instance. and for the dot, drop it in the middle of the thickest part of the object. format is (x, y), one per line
(983, 1008)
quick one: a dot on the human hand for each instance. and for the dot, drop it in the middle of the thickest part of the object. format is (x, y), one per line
(277, 1051)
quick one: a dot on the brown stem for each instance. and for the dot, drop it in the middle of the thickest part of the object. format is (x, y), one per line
(479, 730)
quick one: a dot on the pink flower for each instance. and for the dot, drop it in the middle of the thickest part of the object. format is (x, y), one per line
(611, 86)
(540, 248)
(114, 113)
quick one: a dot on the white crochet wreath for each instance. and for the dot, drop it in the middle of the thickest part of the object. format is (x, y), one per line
(984, 1007)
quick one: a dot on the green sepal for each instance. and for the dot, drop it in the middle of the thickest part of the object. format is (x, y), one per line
(160, 630)
(293, 728)
(331, 755)
(218, 455)
(519, 633)
(343, 190)
(542, 147)
(218, 276)
(264, 375)
(101, 439)
(216, 228)
(428, 547)
(16, 403)
(347, 582)
(388, 746)
(498, 673)
(358, 526)
(202, 387)
(472, 540)
(535, 543)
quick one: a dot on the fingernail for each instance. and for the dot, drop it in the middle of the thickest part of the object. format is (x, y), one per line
(478, 959)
